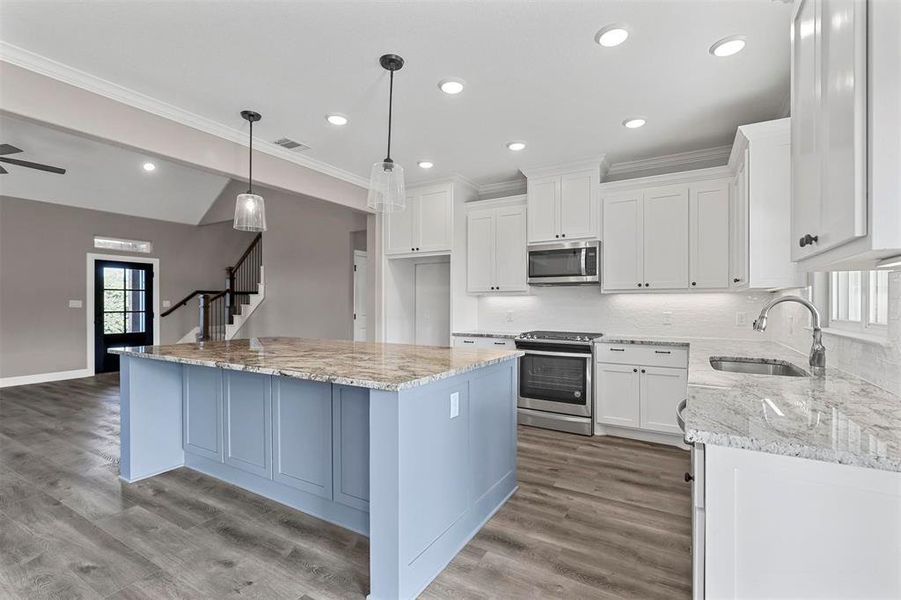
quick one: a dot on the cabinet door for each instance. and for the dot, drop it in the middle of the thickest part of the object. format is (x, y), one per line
(480, 235)
(843, 113)
(665, 213)
(248, 422)
(709, 235)
(622, 249)
(617, 395)
(302, 435)
(510, 252)
(662, 389)
(578, 210)
(399, 229)
(543, 207)
(434, 217)
(350, 434)
(738, 221)
(805, 100)
(202, 408)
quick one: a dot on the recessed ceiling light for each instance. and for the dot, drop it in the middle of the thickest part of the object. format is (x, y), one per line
(611, 35)
(728, 46)
(634, 123)
(516, 146)
(149, 166)
(336, 119)
(451, 86)
(425, 164)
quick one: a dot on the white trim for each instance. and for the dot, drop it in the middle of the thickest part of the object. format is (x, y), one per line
(61, 72)
(43, 377)
(90, 257)
(596, 162)
(501, 189)
(679, 161)
(666, 179)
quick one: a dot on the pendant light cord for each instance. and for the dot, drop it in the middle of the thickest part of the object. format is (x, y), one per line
(250, 162)
(390, 110)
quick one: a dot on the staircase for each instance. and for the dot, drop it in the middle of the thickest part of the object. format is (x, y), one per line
(222, 313)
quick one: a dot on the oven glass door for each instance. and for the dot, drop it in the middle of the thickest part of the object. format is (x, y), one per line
(556, 263)
(556, 382)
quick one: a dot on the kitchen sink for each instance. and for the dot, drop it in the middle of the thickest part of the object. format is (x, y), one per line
(757, 366)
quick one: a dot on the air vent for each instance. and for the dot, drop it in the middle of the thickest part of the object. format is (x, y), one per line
(291, 144)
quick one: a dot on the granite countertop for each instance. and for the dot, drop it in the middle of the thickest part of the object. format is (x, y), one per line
(486, 334)
(390, 367)
(837, 418)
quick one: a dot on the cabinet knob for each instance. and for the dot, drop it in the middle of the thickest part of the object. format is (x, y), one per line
(647, 285)
(556, 235)
(639, 285)
(688, 477)
(735, 280)
(694, 283)
(808, 239)
(643, 371)
(635, 370)
(562, 235)
(412, 249)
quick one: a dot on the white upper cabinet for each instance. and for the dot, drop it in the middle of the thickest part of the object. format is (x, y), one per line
(562, 203)
(762, 240)
(425, 225)
(846, 114)
(496, 256)
(708, 213)
(666, 238)
(623, 243)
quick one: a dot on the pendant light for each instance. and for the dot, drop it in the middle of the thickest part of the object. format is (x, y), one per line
(386, 181)
(250, 211)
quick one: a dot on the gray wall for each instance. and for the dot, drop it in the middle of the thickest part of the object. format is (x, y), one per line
(308, 261)
(43, 266)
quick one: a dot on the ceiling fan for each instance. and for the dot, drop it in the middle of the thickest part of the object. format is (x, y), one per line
(9, 149)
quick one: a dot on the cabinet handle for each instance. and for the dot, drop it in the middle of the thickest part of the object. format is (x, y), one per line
(500, 343)
(468, 341)
(617, 349)
(735, 280)
(635, 370)
(808, 239)
(688, 477)
(694, 283)
(662, 352)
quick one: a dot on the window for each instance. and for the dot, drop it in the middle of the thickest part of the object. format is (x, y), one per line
(108, 243)
(858, 301)
(124, 300)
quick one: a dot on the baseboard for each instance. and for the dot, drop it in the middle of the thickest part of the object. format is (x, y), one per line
(637, 434)
(43, 377)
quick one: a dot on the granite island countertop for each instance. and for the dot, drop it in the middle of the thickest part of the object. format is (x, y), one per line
(390, 367)
(837, 418)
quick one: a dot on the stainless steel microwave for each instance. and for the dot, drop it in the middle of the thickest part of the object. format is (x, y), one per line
(565, 263)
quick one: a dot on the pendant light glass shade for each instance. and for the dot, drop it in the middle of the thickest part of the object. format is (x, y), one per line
(386, 188)
(250, 213)
(250, 210)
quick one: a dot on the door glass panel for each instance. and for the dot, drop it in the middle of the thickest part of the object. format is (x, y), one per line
(113, 300)
(555, 263)
(135, 322)
(113, 278)
(134, 279)
(135, 300)
(113, 322)
(554, 378)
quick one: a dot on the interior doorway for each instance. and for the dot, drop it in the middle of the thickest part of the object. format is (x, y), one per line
(123, 309)
(361, 296)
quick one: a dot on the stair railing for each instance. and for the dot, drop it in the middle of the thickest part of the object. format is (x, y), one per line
(244, 276)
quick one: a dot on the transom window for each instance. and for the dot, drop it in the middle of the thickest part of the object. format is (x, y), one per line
(124, 300)
(858, 301)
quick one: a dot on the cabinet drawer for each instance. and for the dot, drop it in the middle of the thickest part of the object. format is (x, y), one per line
(637, 354)
(499, 343)
(466, 342)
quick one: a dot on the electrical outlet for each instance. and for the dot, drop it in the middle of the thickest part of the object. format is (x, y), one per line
(667, 318)
(509, 316)
(454, 405)
(741, 319)
(74, 303)
(791, 324)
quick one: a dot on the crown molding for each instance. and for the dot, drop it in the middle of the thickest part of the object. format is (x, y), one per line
(595, 162)
(680, 161)
(663, 179)
(500, 189)
(36, 63)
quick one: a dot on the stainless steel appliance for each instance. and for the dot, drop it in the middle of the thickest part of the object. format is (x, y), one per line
(565, 263)
(555, 380)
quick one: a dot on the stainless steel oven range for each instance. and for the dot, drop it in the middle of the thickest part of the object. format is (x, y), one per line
(555, 380)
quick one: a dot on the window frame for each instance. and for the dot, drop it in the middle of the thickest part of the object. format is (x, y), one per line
(864, 326)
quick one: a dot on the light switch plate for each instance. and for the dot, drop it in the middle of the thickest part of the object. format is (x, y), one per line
(509, 316)
(74, 303)
(741, 319)
(667, 318)
(454, 405)
(167, 303)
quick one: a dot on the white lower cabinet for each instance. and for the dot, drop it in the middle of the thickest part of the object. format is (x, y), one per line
(787, 527)
(483, 342)
(639, 386)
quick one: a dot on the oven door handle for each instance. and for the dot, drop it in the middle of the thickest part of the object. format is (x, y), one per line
(571, 354)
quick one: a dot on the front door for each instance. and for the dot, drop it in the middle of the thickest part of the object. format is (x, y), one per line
(123, 309)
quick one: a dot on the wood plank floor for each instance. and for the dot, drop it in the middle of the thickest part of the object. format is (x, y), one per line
(593, 518)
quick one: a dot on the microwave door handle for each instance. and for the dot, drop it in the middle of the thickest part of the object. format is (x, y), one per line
(582, 254)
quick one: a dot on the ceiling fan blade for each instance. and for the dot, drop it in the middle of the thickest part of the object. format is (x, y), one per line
(8, 149)
(33, 165)
(3, 171)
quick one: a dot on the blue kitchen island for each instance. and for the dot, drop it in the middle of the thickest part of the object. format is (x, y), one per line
(413, 446)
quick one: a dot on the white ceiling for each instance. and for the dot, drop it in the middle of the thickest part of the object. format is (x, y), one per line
(533, 72)
(101, 176)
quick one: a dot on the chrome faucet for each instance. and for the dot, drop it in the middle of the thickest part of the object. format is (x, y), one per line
(817, 350)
